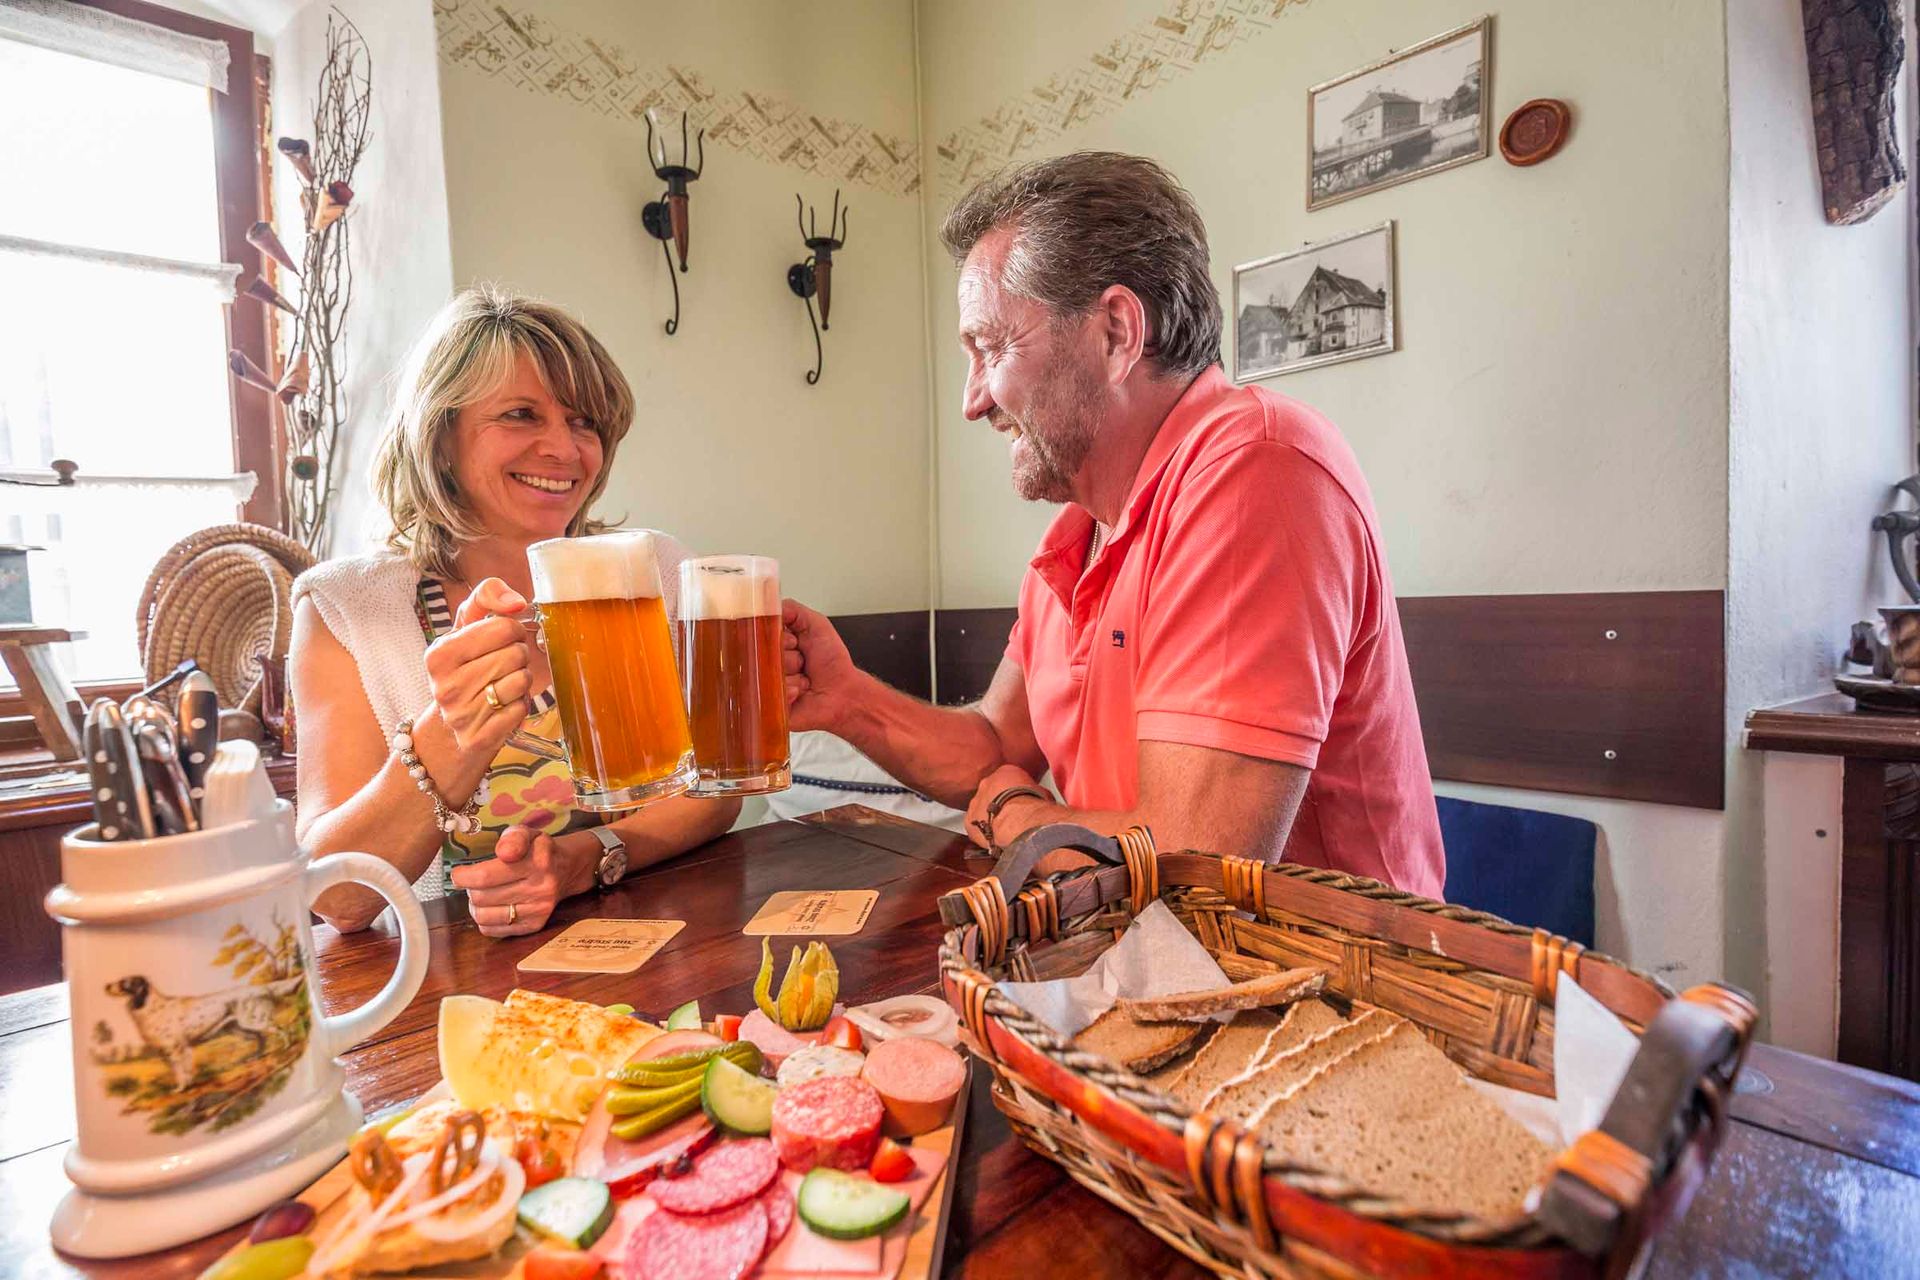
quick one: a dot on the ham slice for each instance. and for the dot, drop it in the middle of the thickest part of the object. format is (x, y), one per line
(774, 1041)
(616, 1161)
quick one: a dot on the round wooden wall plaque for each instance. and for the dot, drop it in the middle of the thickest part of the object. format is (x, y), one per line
(1535, 131)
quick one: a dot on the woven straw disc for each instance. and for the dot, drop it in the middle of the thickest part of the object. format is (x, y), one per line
(223, 597)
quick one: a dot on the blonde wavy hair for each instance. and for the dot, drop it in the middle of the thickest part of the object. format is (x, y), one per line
(466, 353)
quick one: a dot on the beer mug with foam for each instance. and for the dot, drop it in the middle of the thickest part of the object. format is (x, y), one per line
(730, 667)
(607, 637)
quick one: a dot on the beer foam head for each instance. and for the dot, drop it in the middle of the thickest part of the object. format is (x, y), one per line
(729, 587)
(606, 566)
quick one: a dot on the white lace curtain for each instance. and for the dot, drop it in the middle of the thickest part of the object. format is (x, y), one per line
(107, 37)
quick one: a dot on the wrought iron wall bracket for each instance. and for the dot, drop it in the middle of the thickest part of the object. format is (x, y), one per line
(813, 276)
(670, 217)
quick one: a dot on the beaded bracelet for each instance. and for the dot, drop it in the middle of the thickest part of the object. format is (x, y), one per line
(467, 819)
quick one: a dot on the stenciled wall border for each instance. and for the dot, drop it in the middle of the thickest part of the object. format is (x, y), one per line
(529, 52)
(1140, 60)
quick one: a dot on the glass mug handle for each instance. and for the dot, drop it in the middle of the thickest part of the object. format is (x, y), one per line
(526, 739)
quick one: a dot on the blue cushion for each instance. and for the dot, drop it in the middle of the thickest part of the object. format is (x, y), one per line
(1534, 869)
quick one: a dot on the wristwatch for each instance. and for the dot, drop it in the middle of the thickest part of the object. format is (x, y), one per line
(613, 858)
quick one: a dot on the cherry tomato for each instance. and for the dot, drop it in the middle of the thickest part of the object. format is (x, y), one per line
(546, 1262)
(541, 1162)
(839, 1031)
(727, 1026)
(892, 1162)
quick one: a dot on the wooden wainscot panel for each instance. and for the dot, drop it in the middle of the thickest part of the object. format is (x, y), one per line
(967, 647)
(892, 646)
(1617, 694)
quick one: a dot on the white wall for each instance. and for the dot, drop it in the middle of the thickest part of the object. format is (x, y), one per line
(1822, 407)
(731, 450)
(399, 250)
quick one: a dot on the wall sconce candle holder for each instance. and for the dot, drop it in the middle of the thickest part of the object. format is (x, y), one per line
(669, 218)
(814, 274)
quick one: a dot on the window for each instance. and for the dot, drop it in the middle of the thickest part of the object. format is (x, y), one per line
(114, 329)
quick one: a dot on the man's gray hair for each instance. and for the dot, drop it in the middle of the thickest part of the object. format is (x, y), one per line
(1086, 221)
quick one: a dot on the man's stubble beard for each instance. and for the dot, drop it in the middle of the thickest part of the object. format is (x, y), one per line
(1059, 429)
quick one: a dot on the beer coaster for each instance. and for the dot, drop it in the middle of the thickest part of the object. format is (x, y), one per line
(602, 946)
(831, 912)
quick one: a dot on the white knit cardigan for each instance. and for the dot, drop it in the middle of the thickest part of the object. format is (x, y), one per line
(367, 603)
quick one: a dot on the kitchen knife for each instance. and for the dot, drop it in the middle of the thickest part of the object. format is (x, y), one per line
(199, 733)
(167, 789)
(118, 781)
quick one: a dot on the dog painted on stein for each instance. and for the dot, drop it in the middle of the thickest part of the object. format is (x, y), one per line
(173, 1025)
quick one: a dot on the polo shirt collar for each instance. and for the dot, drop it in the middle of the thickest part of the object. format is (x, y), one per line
(1062, 554)
(1193, 406)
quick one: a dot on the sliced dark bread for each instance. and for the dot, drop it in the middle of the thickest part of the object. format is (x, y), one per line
(1299, 1024)
(1227, 1053)
(1164, 1076)
(1136, 1045)
(1246, 1094)
(1397, 1117)
(1267, 990)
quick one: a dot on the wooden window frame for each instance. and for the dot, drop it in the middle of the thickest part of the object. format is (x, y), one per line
(237, 148)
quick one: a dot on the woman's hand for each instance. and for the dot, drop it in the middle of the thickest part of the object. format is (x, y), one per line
(487, 649)
(515, 891)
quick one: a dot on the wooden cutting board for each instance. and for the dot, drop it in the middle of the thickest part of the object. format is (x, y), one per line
(925, 1246)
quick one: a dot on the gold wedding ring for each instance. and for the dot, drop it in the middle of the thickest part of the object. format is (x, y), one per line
(493, 698)
(513, 912)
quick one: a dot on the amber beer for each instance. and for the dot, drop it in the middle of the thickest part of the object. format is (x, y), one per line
(730, 664)
(607, 637)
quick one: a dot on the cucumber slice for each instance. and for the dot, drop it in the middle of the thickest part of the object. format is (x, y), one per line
(846, 1206)
(737, 1099)
(685, 1018)
(573, 1211)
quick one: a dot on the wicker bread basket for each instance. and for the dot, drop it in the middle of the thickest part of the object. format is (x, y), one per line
(1479, 987)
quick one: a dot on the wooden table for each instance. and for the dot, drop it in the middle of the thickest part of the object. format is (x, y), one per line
(1820, 1175)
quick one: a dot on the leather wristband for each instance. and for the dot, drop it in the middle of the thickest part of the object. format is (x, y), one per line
(985, 825)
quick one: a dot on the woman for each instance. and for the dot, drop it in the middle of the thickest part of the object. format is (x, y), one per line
(412, 666)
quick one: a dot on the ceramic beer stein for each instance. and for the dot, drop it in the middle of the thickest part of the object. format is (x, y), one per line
(204, 1072)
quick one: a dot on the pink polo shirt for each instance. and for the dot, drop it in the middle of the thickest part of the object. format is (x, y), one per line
(1242, 602)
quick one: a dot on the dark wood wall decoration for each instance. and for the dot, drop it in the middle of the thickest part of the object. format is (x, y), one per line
(1620, 694)
(1854, 52)
(967, 647)
(892, 646)
(1616, 694)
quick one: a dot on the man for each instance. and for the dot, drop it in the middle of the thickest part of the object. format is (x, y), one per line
(1207, 640)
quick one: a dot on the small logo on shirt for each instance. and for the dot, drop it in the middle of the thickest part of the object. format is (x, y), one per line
(1119, 639)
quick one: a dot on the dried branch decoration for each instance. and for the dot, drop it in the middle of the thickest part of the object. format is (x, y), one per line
(316, 359)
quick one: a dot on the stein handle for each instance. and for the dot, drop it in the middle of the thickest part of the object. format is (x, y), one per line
(343, 1031)
(535, 745)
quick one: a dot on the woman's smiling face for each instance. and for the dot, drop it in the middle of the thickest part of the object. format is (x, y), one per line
(524, 462)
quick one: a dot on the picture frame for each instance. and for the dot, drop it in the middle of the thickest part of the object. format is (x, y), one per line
(1323, 303)
(1425, 109)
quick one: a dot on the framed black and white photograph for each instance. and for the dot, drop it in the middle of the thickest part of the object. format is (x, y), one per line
(1325, 303)
(1425, 109)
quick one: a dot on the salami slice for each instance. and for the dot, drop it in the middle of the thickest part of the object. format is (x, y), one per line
(722, 1177)
(714, 1246)
(833, 1122)
(777, 1200)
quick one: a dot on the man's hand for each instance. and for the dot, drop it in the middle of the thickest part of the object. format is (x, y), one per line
(517, 890)
(823, 685)
(1009, 822)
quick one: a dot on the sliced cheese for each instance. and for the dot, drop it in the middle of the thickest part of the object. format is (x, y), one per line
(538, 1060)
